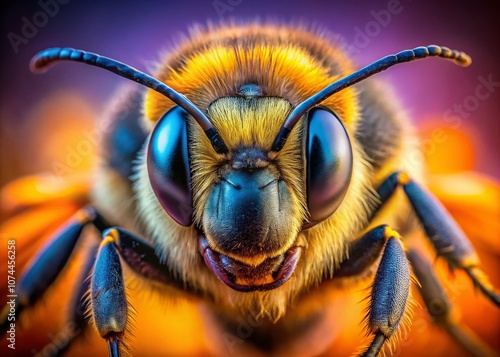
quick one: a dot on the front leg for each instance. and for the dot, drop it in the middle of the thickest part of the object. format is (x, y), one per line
(447, 238)
(108, 299)
(389, 293)
(391, 287)
(141, 257)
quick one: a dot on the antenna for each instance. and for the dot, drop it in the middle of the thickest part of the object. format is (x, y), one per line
(43, 59)
(380, 65)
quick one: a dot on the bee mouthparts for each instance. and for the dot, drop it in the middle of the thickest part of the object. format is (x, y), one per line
(269, 275)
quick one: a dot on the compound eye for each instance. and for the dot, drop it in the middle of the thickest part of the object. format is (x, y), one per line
(168, 165)
(329, 164)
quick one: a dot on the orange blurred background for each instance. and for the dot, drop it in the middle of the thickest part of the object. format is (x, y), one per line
(47, 124)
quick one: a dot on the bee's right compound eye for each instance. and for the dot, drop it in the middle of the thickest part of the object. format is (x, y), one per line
(329, 164)
(168, 166)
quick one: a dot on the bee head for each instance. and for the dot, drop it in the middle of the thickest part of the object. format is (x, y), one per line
(250, 204)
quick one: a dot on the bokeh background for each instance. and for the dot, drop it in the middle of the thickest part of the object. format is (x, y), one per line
(44, 119)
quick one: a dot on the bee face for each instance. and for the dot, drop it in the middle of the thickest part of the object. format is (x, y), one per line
(249, 207)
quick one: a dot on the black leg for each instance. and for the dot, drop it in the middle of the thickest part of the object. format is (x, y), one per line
(363, 253)
(109, 303)
(440, 308)
(447, 238)
(389, 293)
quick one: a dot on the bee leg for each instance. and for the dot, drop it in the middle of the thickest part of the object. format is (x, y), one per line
(108, 299)
(107, 293)
(48, 263)
(440, 308)
(363, 253)
(448, 239)
(389, 293)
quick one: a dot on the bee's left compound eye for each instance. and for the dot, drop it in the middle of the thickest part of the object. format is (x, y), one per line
(168, 166)
(329, 164)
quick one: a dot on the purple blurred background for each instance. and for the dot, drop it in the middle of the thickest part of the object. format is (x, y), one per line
(134, 32)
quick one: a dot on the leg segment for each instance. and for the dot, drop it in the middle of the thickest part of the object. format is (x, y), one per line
(109, 303)
(448, 239)
(440, 308)
(363, 253)
(389, 293)
(391, 287)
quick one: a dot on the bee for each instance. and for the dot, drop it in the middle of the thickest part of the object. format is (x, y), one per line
(258, 175)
